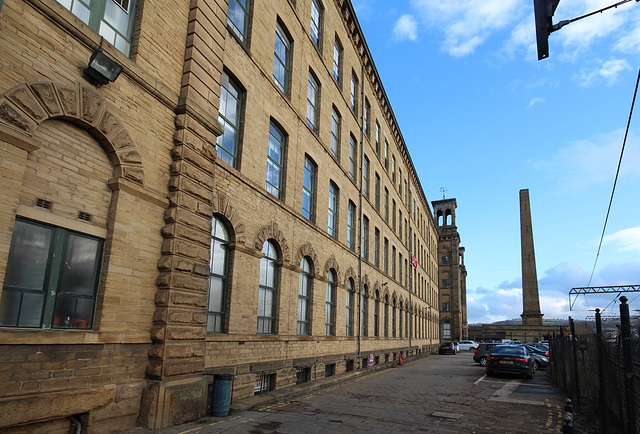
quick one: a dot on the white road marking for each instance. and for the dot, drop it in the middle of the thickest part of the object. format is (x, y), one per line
(480, 379)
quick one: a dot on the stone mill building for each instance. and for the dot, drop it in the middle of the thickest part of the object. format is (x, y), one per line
(194, 188)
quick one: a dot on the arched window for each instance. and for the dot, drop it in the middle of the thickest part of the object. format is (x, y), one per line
(218, 275)
(365, 311)
(446, 330)
(407, 325)
(330, 305)
(349, 308)
(400, 321)
(267, 289)
(304, 289)
(393, 319)
(376, 315)
(386, 316)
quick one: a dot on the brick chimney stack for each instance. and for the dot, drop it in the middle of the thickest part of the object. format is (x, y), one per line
(530, 299)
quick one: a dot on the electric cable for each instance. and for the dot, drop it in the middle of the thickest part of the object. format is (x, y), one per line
(616, 179)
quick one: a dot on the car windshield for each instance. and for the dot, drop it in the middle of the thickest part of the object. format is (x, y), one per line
(514, 351)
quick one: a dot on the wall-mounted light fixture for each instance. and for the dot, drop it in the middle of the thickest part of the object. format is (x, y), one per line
(102, 69)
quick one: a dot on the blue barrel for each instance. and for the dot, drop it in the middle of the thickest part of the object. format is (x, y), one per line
(221, 394)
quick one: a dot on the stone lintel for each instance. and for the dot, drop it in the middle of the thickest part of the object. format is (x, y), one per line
(17, 410)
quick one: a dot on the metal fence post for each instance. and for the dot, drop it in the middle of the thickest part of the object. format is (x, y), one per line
(576, 375)
(627, 358)
(602, 373)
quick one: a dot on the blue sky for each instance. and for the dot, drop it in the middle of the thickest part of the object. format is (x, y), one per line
(484, 118)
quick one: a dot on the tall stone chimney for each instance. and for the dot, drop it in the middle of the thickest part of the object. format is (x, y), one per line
(530, 299)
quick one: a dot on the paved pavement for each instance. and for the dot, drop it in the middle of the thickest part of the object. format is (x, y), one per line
(438, 394)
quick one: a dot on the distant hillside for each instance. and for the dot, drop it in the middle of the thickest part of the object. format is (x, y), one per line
(608, 323)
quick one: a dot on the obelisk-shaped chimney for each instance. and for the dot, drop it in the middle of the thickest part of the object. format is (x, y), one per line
(530, 299)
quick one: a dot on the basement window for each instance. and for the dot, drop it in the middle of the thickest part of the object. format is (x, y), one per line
(264, 383)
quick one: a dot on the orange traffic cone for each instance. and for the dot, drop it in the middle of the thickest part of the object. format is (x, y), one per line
(400, 359)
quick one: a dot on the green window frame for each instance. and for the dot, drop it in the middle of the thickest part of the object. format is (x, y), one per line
(309, 190)
(267, 292)
(316, 23)
(313, 102)
(354, 93)
(365, 238)
(275, 161)
(376, 315)
(330, 305)
(353, 158)
(52, 277)
(332, 223)
(218, 276)
(113, 19)
(351, 226)
(304, 298)
(365, 177)
(229, 115)
(364, 302)
(336, 120)
(337, 62)
(282, 60)
(238, 18)
(349, 308)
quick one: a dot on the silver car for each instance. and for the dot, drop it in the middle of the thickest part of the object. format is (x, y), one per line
(468, 345)
(540, 357)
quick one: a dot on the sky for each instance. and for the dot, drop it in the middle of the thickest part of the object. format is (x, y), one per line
(483, 118)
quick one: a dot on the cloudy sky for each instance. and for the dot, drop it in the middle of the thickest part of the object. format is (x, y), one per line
(483, 118)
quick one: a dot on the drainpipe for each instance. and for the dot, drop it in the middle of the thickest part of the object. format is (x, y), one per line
(410, 288)
(360, 218)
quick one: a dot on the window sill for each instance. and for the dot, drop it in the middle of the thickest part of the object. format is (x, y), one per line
(18, 336)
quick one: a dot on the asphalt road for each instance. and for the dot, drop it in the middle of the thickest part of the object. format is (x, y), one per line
(438, 394)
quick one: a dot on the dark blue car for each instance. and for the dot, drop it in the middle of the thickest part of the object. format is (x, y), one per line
(448, 348)
(510, 359)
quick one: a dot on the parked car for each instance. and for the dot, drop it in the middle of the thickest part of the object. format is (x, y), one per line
(540, 347)
(483, 350)
(468, 345)
(510, 359)
(540, 357)
(447, 348)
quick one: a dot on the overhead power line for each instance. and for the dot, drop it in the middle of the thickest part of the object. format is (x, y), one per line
(616, 178)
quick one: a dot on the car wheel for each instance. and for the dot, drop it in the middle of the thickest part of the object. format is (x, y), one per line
(471, 350)
(489, 373)
(483, 361)
(536, 365)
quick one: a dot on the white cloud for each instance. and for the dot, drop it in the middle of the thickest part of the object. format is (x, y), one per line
(608, 72)
(486, 305)
(587, 163)
(467, 23)
(613, 26)
(534, 101)
(626, 240)
(522, 36)
(405, 28)
(630, 42)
